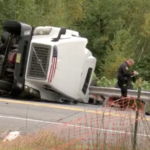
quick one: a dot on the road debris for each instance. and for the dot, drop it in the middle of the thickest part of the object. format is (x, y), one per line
(9, 135)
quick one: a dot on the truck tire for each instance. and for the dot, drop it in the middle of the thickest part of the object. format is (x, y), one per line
(5, 86)
(75, 102)
(12, 27)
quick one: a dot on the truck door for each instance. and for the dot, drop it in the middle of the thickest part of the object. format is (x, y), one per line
(86, 77)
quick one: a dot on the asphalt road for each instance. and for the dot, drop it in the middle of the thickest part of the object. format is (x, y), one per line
(76, 120)
(28, 116)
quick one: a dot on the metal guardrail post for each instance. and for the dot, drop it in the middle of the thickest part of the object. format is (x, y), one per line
(105, 101)
(145, 107)
(137, 116)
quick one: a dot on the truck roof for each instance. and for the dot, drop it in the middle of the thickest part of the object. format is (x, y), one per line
(53, 31)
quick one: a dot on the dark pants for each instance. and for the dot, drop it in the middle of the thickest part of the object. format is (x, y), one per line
(124, 90)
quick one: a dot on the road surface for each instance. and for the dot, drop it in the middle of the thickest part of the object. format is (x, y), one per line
(78, 120)
(28, 115)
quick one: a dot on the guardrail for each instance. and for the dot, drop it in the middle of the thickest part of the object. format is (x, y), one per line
(115, 92)
(105, 91)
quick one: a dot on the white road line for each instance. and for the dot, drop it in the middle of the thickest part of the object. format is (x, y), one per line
(71, 125)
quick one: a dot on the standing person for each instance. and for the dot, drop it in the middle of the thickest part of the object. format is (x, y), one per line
(124, 76)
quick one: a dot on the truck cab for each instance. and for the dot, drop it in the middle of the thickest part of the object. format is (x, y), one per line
(49, 63)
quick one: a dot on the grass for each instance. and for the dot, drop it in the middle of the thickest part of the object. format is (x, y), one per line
(43, 140)
(46, 141)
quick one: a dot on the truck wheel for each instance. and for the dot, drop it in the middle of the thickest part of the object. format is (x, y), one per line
(75, 102)
(12, 27)
(66, 101)
(5, 86)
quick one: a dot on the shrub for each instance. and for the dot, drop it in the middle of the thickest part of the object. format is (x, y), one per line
(105, 82)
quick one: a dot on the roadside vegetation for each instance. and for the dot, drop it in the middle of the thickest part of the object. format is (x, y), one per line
(105, 82)
(116, 30)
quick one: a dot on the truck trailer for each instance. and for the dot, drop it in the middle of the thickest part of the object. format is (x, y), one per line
(44, 62)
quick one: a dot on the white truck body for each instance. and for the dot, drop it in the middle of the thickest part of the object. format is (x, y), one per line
(60, 68)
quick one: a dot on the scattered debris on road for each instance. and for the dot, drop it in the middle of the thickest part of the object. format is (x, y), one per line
(9, 135)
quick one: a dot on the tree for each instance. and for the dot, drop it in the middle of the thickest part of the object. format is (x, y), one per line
(114, 29)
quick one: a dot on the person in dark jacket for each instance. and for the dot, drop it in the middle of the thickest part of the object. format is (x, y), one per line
(124, 78)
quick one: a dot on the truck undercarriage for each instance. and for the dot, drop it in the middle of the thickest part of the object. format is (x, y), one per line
(13, 51)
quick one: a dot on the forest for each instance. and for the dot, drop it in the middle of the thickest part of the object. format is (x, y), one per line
(115, 29)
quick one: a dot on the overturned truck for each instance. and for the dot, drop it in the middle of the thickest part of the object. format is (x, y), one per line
(44, 62)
